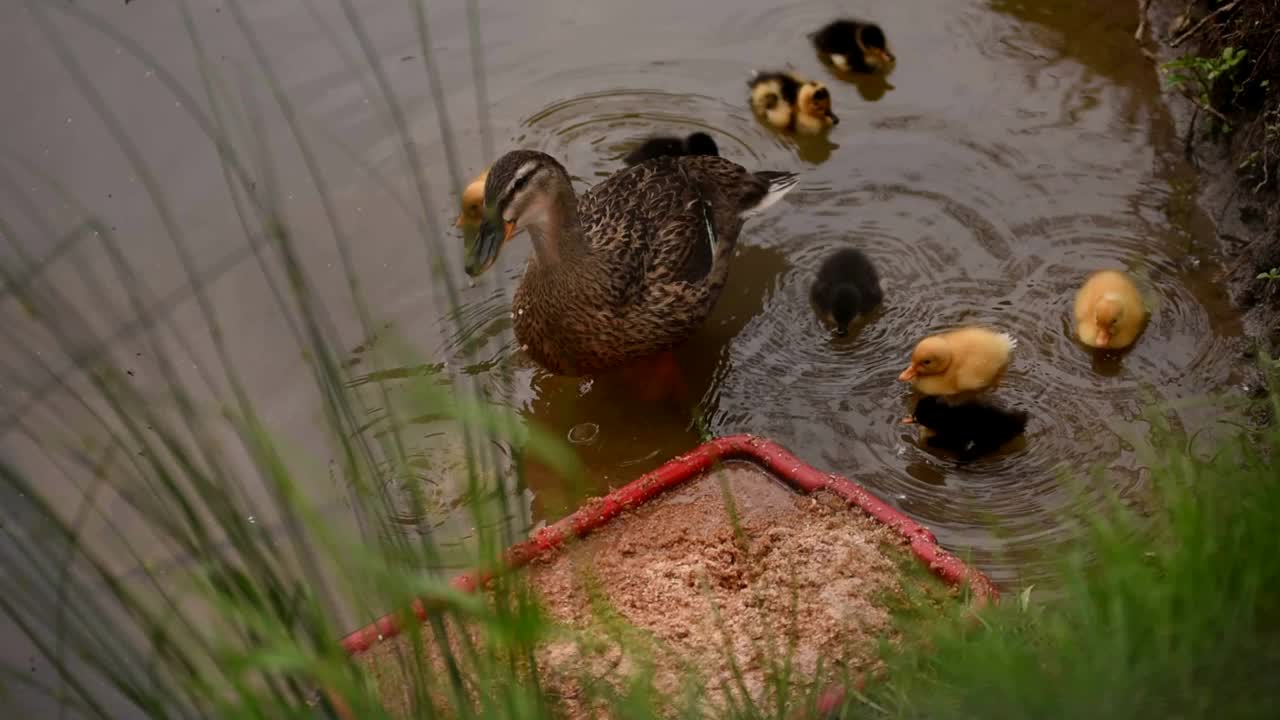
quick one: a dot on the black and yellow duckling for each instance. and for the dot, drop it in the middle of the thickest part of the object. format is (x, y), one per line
(974, 428)
(847, 286)
(627, 269)
(854, 46)
(698, 143)
(792, 103)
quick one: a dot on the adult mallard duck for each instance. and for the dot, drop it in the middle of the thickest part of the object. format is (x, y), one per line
(626, 270)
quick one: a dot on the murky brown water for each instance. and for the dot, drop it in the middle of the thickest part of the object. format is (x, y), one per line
(1016, 147)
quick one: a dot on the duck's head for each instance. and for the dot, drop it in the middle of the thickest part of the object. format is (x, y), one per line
(814, 100)
(875, 48)
(521, 193)
(932, 356)
(1107, 314)
(472, 210)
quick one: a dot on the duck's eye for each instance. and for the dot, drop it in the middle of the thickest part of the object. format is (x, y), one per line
(521, 182)
(927, 363)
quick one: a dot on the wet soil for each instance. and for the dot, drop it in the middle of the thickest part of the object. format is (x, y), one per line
(1236, 186)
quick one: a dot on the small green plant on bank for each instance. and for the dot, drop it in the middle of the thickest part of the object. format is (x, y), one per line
(1164, 611)
(1196, 76)
(1270, 275)
(1258, 164)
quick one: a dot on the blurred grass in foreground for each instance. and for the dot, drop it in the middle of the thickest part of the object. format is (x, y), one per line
(1171, 612)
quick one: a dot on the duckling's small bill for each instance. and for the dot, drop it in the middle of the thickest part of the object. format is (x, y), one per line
(488, 243)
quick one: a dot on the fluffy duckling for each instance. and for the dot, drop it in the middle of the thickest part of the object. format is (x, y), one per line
(854, 46)
(792, 103)
(974, 428)
(959, 362)
(472, 203)
(847, 286)
(1109, 311)
(698, 143)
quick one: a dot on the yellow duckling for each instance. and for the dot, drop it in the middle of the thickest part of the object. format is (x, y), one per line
(472, 202)
(792, 103)
(1109, 311)
(959, 362)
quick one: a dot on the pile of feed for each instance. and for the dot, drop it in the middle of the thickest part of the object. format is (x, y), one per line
(706, 604)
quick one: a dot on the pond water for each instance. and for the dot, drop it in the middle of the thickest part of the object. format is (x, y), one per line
(1016, 147)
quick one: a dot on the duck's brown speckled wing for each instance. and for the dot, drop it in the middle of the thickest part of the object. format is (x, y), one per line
(666, 221)
(661, 236)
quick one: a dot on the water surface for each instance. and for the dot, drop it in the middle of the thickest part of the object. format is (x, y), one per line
(1016, 147)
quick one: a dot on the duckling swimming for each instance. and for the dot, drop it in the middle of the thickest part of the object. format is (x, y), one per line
(854, 46)
(792, 103)
(973, 428)
(847, 286)
(1109, 311)
(959, 363)
(698, 143)
(472, 203)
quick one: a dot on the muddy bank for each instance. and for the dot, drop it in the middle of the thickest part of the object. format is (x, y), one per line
(1231, 135)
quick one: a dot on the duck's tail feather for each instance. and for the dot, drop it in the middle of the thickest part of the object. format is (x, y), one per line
(1013, 341)
(780, 183)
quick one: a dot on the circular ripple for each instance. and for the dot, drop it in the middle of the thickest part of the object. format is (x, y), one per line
(980, 202)
(952, 251)
(591, 134)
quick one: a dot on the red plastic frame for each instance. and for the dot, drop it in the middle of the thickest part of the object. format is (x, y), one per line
(771, 455)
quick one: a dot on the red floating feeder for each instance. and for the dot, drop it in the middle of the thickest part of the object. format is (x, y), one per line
(773, 457)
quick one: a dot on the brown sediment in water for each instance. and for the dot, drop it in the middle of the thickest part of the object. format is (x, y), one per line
(677, 587)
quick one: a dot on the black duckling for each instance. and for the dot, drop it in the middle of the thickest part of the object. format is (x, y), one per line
(698, 143)
(792, 103)
(970, 429)
(847, 286)
(854, 46)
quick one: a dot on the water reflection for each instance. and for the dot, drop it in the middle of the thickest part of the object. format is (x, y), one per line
(984, 195)
(1015, 147)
